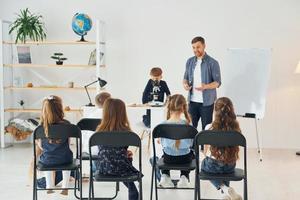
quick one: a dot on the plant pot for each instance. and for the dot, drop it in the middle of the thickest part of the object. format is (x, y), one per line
(59, 62)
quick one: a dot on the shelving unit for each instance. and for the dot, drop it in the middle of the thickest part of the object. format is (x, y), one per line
(46, 88)
(98, 43)
(51, 65)
(16, 110)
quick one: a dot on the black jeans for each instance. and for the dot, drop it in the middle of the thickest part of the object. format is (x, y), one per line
(197, 111)
(178, 160)
(133, 193)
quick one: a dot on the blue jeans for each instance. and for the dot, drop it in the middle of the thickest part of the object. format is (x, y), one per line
(158, 174)
(133, 193)
(210, 165)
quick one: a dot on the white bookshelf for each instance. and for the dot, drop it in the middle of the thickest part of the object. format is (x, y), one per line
(7, 40)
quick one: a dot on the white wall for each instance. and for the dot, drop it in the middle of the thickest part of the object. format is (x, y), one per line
(141, 34)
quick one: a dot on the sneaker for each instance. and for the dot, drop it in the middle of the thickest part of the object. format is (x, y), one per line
(224, 194)
(166, 181)
(225, 197)
(233, 194)
(183, 182)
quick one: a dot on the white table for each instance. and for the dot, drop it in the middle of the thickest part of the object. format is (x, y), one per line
(135, 114)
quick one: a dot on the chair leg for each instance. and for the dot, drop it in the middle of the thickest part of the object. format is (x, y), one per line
(93, 192)
(155, 184)
(196, 187)
(140, 189)
(152, 177)
(90, 188)
(199, 189)
(80, 183)
(34, 195)
(245, 190)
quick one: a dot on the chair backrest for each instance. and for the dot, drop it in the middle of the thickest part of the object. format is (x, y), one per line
(220, 138)
(58, 131)
(89, 124)
(174, 131)
(115, 139)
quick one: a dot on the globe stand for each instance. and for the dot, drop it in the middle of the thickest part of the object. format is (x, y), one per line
(82, 39)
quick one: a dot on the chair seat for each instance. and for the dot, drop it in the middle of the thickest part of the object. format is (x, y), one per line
(188, 166)
(86, 156)
(110, 178)
(237, 175)
(71, 166)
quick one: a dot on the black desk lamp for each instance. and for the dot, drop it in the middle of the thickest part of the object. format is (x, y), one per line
(102, 83)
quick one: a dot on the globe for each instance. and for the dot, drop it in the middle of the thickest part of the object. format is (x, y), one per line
(81, 24)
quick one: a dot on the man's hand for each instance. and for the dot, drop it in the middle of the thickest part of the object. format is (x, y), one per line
(201, 87)
(187, 87)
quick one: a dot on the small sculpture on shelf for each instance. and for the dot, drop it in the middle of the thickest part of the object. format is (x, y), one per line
(59, 58)
(21, 103)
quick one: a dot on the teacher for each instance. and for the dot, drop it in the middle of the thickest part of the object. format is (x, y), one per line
(201, 78)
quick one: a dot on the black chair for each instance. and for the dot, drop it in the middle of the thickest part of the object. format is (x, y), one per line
(174, 132)
(220, 139)
(115, 139)
(88, 124)
(59, 131)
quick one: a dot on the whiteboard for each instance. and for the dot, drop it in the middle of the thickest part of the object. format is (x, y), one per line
(245, 77)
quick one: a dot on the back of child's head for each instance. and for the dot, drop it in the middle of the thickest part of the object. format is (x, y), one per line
(114, 116)
(101, 98)
(225, 120)
(224, 116)
(177, 103)
(156, 72)
(52, 112)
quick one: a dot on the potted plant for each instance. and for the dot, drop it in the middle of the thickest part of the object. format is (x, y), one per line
(58, 57)
(28, 26)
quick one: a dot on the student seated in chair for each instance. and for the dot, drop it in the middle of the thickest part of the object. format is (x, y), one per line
(116, 161)
(155, 90)
(176, 151)
(99, 100)
(222, 160)
(54, 152)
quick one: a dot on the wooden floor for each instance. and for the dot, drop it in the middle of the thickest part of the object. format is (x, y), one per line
(276, 178)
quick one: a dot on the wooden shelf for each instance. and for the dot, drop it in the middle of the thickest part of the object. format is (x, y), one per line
(19, 110)
(52, 43)
(51, 65)
(47, 88)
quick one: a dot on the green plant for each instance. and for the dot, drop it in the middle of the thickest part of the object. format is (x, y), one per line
(28, 26)
(58, 57)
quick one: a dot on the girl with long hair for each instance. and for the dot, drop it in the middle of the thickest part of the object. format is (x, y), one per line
(220, 160)
(176, 151)
(116, 161)
(53, 151)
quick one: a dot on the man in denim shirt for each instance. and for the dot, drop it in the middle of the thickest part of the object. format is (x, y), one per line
(201, 78)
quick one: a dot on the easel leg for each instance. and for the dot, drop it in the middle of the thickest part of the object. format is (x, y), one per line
(258, 141)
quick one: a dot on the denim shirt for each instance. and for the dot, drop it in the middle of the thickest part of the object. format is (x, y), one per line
(210, 72)
(169, 144)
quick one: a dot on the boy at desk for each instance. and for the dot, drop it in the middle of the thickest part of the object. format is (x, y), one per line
(154, 92)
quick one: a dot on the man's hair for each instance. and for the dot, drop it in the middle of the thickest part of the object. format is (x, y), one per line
(198, 39)
(156, 71)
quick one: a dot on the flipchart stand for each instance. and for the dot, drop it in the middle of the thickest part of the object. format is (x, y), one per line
(258, 139)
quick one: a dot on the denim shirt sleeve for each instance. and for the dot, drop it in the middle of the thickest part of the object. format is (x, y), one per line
(216, 74)
(186, 73)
